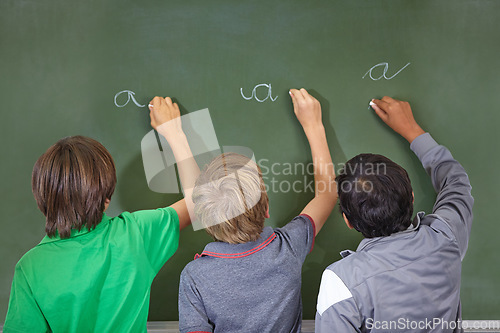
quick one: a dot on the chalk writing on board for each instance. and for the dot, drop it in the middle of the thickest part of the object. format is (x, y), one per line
(386, 67)
(254, 93)
(130, 96)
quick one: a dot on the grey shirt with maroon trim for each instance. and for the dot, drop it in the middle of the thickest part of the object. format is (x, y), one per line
(408, 281)
(250, 287)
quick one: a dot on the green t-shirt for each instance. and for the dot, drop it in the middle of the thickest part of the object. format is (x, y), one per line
(94, 281)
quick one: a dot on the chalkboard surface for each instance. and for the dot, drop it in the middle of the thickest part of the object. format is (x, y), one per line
(63, 62)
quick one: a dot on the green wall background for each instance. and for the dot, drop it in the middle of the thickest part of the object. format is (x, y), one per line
(62, 62)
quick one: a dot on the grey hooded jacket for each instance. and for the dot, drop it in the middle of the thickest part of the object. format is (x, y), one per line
(408, 281)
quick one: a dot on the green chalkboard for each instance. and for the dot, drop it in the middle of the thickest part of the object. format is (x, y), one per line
(62, 63)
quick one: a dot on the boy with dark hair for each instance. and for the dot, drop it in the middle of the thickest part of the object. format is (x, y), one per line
(91, 273)
(405, 274)
(375, 195)
(249, 279)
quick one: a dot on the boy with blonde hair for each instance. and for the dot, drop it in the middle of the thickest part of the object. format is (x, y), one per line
(249, 279)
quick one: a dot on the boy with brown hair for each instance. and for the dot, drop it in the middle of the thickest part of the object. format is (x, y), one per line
(249, 279)
(91, 273)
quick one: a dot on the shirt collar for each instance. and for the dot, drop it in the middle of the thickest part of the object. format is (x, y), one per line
(415, 224)
(75, 232)
(226, 250)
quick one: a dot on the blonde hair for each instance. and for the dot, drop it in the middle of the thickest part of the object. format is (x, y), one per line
(230, 199)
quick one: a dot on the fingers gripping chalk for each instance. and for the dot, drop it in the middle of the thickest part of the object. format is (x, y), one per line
(150, 105)
(371, 105)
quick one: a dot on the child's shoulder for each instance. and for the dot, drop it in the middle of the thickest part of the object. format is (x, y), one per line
(34, 256)
(302, 221)
(198, 268)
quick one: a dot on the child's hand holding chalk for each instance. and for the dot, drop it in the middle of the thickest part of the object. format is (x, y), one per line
(398, 116)
(165, 117)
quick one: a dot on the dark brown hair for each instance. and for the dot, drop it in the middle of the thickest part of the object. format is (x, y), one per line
(71, 182)
(375, 194)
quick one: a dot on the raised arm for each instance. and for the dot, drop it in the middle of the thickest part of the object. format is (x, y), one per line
(165, 118)
(454, 200)
(308, 112)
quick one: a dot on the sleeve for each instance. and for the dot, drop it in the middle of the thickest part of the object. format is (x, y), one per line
(192, 314)
(336, 310)
(299, 233)
(454, 200)
(160, 233)
(23, 314)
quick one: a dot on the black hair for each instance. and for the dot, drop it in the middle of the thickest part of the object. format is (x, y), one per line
(375, 195)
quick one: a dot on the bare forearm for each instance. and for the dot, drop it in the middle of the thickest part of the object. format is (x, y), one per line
(324, 171)
(308, 112)
(186, 165)
(188, 168)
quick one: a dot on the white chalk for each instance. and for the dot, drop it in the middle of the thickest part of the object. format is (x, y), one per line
(151, 105)
(371, 103)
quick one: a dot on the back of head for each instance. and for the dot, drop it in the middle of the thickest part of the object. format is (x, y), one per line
(375, 195)
(71, 182)
(230, 199)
